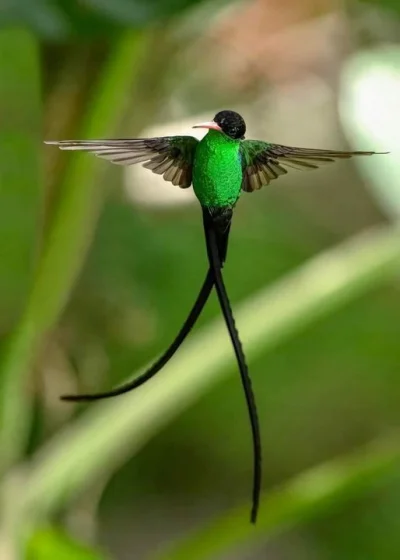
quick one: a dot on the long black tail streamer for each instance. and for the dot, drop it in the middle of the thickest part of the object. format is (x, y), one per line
(213, 236)
(164, 359)
(194, 314)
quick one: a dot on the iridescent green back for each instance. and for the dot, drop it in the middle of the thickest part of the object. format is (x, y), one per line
(217, 170)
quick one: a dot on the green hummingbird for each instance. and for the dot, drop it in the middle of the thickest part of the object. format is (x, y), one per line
(220, 167)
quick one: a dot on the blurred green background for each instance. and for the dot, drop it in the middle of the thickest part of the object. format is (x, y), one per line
(99, 266)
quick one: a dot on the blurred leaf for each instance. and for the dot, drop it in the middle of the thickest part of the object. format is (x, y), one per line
(20, 178)
(53, 544)
(316, 491)
(68, 239)
(21, 197)
(139, 11)
(125, 11)
(391, 4)
(320, 287)
(56, 20)
(42, 16)
(370, 112)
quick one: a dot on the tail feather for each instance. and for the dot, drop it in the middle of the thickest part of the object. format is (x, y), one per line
(166, 356)
(214, 240)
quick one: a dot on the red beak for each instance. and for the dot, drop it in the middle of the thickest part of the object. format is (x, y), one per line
(211, 125)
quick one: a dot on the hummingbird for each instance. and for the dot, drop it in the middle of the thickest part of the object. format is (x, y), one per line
(220, 167)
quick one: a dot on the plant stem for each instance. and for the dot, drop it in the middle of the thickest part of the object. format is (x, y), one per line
(67, 243)
(97, 442)
(314, 492)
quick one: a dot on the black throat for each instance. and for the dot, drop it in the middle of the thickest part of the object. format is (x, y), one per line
(219, 218)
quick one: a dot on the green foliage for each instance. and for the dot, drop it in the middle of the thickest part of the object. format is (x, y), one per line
(65, 246)
(312, 494)
(64, 18)
(267, 319)
(50, 543)
(20, 175)
(21, 208)
(387, 4)
(91, 291)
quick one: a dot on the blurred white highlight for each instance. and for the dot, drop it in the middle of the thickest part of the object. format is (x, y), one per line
(369, 105)
(149, 189)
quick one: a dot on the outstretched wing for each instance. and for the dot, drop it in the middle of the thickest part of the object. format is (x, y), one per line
(263, 162)
(170, 156)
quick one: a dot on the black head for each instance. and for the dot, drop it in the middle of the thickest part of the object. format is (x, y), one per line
(231, 124)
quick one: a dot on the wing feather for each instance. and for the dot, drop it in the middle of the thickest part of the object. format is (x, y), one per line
(263, 162)
(170, 156)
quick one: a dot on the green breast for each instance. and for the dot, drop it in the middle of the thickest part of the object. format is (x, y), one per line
(217, 170)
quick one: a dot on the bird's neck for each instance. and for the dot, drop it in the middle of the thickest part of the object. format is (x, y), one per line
(216, 137)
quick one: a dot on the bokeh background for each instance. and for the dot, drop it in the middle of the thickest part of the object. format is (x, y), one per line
(100, 264)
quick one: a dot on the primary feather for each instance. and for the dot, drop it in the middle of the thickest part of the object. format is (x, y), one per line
(174, 157)
(169, 156)
(262, 162)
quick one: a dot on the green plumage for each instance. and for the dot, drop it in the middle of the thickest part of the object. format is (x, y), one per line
(219, 167)
(217, 170)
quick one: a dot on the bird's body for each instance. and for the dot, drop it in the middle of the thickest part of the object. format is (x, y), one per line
(220, 167)
(217, 170)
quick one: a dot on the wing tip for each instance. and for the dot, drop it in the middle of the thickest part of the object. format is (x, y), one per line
(371, 153)
(67, 144)
(62, 144)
